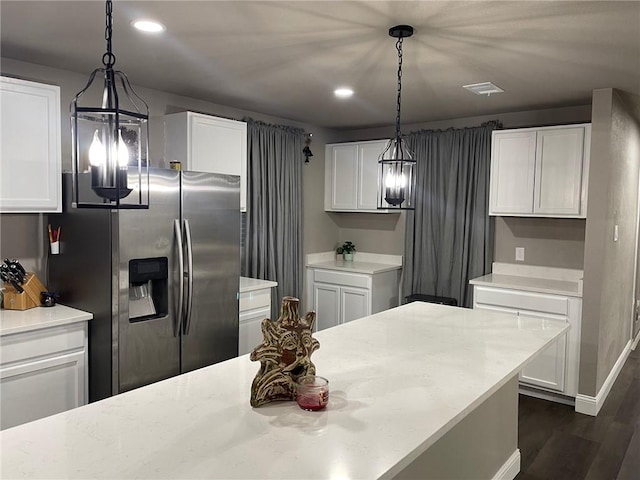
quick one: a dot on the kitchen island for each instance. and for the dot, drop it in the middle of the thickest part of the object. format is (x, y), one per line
(421, 390)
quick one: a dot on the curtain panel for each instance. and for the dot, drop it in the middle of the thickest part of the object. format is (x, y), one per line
(273, 244)
(449, 235)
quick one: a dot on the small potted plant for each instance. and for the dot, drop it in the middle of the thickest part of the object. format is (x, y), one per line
(346, 250)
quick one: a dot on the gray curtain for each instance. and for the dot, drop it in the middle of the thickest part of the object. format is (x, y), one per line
(273, 243)
(449, 236)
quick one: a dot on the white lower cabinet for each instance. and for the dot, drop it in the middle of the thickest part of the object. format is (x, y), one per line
(326, 303)
(554, 369)
(255, 306)
(340, 297)
(42, 372)
(354, 303)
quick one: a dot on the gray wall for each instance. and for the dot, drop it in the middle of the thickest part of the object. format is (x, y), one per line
(557, 242)
(22, 236)
(550, 242)
(608, 265)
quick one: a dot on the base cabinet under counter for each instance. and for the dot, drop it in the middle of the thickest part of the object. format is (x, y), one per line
(555, 369)
(254, 306)
(339, 297)
(42, 372)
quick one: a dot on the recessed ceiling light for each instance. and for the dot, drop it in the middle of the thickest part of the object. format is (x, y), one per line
(149, 26)
(484, 88)
(343, 92)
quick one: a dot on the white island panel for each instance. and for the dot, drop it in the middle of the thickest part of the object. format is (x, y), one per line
(400, 380)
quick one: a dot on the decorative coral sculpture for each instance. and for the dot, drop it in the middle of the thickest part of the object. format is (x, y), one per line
(284, 355)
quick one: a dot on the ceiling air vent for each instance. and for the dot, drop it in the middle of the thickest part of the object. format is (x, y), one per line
(484, 88)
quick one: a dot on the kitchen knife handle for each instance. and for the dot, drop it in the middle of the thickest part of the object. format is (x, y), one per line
(187, 233)
(180, 306)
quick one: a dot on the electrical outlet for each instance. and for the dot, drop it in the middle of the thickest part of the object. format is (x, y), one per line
(519, 254)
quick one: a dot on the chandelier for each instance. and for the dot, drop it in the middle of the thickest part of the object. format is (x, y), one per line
(110, 141)
(396, 165)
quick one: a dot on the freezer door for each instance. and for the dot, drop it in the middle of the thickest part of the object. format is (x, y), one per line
(148, 327)
(211, 219)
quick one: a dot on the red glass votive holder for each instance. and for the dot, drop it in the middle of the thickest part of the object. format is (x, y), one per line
(312, 392)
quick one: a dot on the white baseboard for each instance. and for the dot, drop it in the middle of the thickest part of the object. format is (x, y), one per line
(552, 397)
(635, 342)
(592, 405)
(510, 468)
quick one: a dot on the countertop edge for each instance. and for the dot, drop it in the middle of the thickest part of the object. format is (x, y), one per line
(253, 284)
(356, 267)
(529, 288)
(67, 316)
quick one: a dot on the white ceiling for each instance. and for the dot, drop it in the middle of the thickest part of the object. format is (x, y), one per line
(285, 58)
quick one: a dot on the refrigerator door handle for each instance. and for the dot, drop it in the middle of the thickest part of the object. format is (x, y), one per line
(187, 232)
(180, 305)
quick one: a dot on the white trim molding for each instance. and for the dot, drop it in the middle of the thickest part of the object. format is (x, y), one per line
(510, 468)
(635, 342)
(592, 405)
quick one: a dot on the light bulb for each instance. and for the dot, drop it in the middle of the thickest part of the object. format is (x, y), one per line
(402, 181)
(390, 180)
(123, 152)
(97, 154)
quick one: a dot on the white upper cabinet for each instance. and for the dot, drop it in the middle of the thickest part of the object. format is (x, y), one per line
(30, 158)
(351, 176)
(343, 162)
(204, 143)
(513, 158)
(540, 171)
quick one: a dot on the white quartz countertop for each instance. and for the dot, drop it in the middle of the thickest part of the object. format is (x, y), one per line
(18, 321)
(399, 380)
(363, 262)
(252, 284)
(532, 284)
(355, 266)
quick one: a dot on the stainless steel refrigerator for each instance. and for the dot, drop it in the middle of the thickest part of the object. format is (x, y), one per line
(161, 283)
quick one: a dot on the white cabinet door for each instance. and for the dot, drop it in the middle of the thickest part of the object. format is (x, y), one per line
(368, 155)
(208, 144)
(344, 176)
(40, 388)
(251, 329)
(219, 145)
(559, 159)
(547, 369)
(326, 303)
(513, 156)
(354, 303)
(30, 158)
(351, 176)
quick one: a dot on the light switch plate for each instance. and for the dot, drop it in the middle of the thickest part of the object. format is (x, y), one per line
(519, 254)
(615, 233)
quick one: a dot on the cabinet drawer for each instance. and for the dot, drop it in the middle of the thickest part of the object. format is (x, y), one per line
(537, 302)
(41, 343)
(339, 278)
(255, 299)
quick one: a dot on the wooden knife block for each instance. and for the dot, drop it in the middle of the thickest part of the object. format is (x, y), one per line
(13, 300)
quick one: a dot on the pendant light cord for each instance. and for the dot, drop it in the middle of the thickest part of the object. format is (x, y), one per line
(399, 48)
(108, 59)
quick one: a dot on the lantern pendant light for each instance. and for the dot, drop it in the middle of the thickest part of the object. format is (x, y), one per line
(396, 165)
(110, 142)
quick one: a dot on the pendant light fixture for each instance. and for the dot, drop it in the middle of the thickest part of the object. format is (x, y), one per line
(110, 142)
(396, 165)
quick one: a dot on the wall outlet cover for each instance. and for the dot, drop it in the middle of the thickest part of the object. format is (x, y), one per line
(519, 254)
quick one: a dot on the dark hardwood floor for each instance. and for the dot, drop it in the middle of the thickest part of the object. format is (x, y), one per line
(558, 443)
